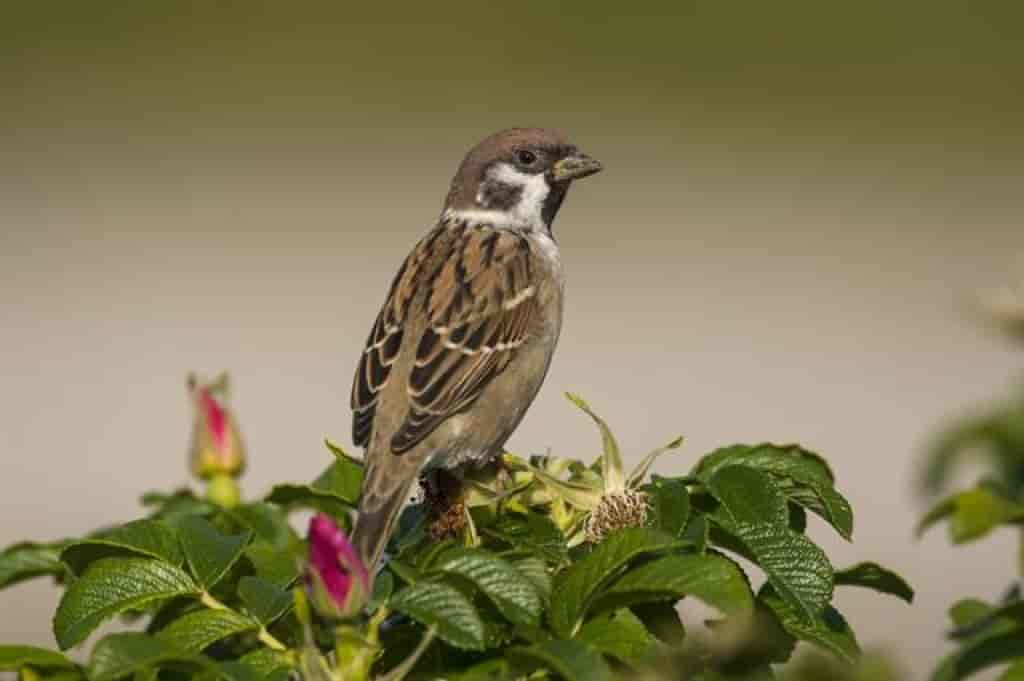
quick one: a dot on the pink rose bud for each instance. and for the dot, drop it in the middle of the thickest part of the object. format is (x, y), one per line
(336, 579)
(217, 447)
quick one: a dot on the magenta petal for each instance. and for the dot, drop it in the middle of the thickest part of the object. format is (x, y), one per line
(216, 418)
(334, 560)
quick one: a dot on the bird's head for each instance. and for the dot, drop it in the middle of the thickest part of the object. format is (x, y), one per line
(518, 178)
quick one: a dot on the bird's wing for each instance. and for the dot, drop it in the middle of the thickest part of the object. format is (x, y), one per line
(480, 307)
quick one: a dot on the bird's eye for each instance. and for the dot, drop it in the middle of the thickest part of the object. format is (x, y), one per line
(526, 157)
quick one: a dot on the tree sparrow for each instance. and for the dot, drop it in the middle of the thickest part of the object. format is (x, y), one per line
(464, 339)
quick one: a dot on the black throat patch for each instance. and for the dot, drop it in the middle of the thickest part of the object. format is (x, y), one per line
(553, 201)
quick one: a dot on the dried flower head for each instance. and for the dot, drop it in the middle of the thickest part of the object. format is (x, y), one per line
(616, 511)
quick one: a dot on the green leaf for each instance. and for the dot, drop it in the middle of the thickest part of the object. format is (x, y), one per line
(268, 522)
(712, 578)
(510, 591)
(263, 599)
(670, 505)
(611, 466)
(755, 514)
(662, 620)
(149, 538)
(443, 606)
(619, 634)
(198, 630)
(748, 495)
(280, 566)
(823, 501)
(271, 665)
(981, 653)
(828, 630)
(536, 570)
(978, 511)
(111, 586)
(28, 560)
(788, 461)
(307, 496)
(210, 554)
(344, 478)
(571, 660)
(13, 658)
(874, 576)
(534, 533)
(119, 655)
(580, 583)
(175, 507)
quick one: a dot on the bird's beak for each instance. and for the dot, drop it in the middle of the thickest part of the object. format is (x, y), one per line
(574, 167)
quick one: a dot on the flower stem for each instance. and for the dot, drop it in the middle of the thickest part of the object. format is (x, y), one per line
(264, 636)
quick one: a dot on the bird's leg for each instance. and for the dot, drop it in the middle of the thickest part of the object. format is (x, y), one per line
(442, 493)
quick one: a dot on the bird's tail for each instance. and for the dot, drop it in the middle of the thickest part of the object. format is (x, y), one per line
(385, 489)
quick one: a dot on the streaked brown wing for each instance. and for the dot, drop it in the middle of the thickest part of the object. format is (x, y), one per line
(385, 340)
(480, 308)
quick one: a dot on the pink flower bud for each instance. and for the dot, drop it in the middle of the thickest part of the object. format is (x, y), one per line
(217, 447)
(336, 579)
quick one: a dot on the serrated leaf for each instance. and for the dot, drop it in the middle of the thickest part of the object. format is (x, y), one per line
(198, 630)
(790, 461)
(536, 570)
(571, 660)
(579, 584)
(236, 671)
(828, 630)
(280, 566)
(670, 505)
(268, 522)
(711, 578)
(440, 605)
(269, 664)
(118, 655)
(874, 576)
(755, 514)
(824, 501)
(210, 553)
(611, 462)
(149, 538)
(13, 658)
(111, 586)
(619, 634)
(27, 560)
(263, 599)
(510, 591)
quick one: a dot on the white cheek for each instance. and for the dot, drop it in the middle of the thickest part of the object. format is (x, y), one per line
(530, 207)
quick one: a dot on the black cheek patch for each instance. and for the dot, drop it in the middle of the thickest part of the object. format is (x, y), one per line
(499, 196)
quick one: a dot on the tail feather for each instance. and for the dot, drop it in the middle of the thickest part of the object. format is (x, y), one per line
(385, 489)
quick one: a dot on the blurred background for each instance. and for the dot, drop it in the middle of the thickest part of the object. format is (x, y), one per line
(800, 200)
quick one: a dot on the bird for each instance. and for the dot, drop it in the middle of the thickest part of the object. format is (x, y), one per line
(466, 334)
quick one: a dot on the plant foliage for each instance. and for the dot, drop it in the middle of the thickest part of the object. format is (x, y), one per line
(520, 582)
